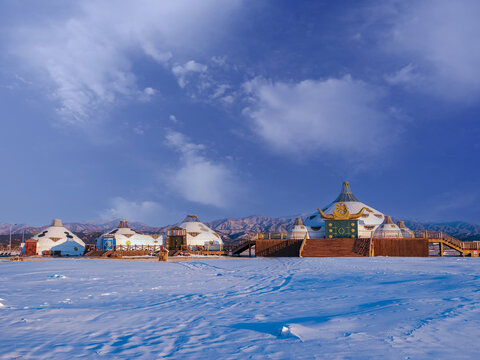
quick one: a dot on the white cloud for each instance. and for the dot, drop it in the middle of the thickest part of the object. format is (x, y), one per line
(146, 211)
(138, 129)
(440, 38)
(183, 71)
(173, 118)
(199, 179)
(85, 54)
(220, 90)
(341, 116)
(147, 94)
(404, 75)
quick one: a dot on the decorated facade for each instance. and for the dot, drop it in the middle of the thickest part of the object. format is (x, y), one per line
(346, 216)
(54, 240)
(125, 237)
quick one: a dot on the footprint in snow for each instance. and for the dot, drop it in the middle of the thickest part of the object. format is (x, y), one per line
(56, 276)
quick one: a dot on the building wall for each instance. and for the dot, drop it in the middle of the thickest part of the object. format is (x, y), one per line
(400, 247)
(277, 247)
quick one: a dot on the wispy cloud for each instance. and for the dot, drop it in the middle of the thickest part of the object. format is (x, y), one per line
(182, 72)
(344, 116)
(149, 212)
(198, 178)
(404, 76)
(440, 41)
(87, 57)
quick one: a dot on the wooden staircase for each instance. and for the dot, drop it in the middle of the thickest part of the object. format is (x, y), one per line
(95, 253)
(464, 248)
(334, 248)
(243, 246)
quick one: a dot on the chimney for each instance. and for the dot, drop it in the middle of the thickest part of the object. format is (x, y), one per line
(57, 223)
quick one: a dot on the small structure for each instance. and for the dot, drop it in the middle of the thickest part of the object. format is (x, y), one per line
(54, 240)
(125, 238)
(406, 232)
(388, 230)
(192, 234)
(298, 230)
(163, 255)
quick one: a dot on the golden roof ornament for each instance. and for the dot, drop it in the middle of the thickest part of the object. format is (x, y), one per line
(341, 212)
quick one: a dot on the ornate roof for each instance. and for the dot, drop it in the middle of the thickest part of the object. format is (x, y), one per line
(346, 194)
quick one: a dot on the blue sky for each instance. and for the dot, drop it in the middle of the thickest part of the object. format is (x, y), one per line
(151, 110)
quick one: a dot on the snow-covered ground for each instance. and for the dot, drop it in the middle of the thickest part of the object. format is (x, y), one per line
(291, 308)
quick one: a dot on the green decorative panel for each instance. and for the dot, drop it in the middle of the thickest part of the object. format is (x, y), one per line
(335, 229)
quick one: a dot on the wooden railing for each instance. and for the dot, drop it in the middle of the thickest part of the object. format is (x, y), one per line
(272, 235)
(304, 241)
(138, 247)
(417, 234)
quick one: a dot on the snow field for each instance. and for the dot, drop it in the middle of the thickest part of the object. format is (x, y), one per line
(290, 308)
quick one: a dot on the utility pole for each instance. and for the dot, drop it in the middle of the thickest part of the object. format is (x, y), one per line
(10, 246)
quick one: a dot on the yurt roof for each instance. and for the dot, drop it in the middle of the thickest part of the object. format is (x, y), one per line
(371, 216)
(388, 224)
(298, 225)
(401, 225)
(122, 229)
(57, 232)
(298, 221)
(193, 225)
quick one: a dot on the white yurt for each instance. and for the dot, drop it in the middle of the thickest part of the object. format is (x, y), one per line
(59, 240)
(406, 232)
(367, 223)
(388, 229)
(126, 237)
(199, 234)
(298, 230)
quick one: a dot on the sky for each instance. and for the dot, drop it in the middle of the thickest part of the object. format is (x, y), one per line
(150, 110)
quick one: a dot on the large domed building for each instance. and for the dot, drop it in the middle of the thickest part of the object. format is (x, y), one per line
(54, 240)
(125, 237)
(193, 234)
(364, 218)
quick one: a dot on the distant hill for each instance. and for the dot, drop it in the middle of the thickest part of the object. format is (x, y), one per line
(231, 229)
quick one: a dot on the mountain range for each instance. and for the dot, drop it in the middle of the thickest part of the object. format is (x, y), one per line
(231, 229)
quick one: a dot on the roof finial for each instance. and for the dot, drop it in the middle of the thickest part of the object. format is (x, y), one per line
(298, 221)
(388, 220)
(191, 218)
(346, 194)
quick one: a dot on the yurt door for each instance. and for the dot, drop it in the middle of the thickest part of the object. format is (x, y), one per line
(108, 244)
(30, 248)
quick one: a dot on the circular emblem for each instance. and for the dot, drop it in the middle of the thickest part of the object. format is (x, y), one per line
(129, 243)
(341, 208)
